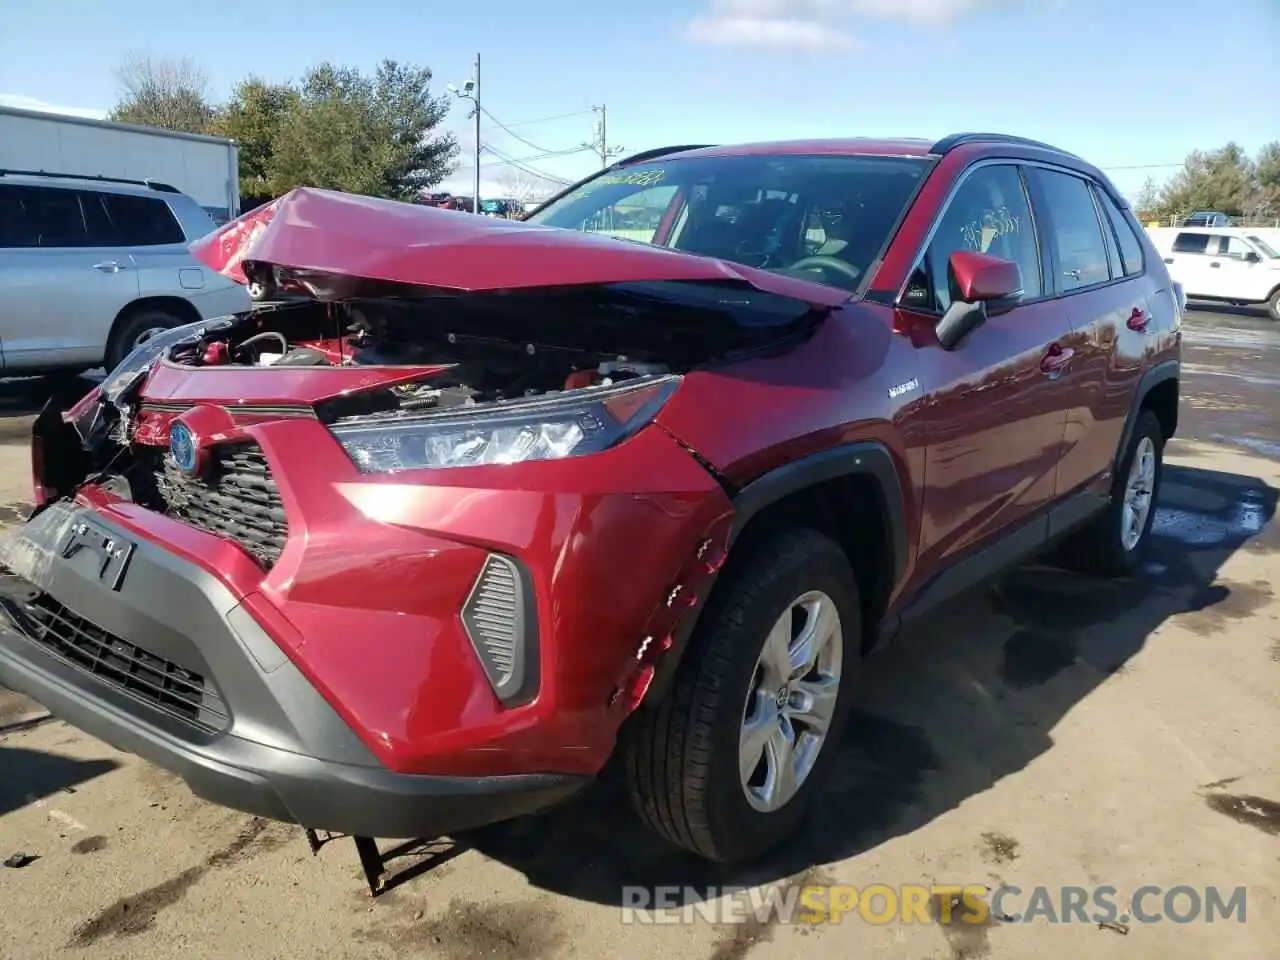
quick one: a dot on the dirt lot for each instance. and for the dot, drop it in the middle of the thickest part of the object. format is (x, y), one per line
(1049, 731)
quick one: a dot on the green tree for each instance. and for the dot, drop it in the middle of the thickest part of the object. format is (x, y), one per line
(373, 135)
(1224, 179)
(254, 117)
(1268, 165)
(165, 93)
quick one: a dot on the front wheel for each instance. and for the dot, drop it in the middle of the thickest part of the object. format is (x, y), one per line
(1112, 542)
(135, 330)
(726, 765)
(1273, 305)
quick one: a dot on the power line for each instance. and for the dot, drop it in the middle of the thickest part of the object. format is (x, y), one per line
(535, 158)
(559, 116)
(542, 151)
(528, 143)
(520, 165)
(532, 171)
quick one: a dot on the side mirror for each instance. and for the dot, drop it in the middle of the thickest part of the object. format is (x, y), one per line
(1253, 256)
(985, 287)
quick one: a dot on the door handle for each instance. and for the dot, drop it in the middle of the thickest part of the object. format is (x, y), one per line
(1056, 360)
(108, 266)
(1168, 259)
(1138, 320)
(1216, 265)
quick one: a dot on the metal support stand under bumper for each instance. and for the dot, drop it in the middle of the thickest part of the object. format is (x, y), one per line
(373, 860)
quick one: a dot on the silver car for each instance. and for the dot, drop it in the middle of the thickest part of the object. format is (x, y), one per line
(90, 267)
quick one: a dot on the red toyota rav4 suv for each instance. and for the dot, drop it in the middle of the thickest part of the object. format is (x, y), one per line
(651, 471)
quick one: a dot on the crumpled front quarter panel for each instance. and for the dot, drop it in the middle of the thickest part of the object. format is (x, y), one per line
(374, 580)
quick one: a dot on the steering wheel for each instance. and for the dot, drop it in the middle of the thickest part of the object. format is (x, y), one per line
(823, 262)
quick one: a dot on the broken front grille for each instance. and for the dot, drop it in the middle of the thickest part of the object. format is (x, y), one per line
(183, 694)
(239, 500)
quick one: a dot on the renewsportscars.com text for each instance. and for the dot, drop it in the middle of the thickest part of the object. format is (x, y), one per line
(881, 904)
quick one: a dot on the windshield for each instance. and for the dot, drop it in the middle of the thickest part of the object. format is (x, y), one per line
(1264, 247)
(822, 218)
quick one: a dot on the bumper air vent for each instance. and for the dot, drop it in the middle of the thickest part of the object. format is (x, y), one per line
(501, 624)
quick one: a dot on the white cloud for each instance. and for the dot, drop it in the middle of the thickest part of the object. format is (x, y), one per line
(817, 24)
(768, 32)
(928, 12)
(20, 102)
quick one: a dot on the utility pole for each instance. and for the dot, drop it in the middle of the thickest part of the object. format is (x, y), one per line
(475, 208)
(601, 142)
(471, 91)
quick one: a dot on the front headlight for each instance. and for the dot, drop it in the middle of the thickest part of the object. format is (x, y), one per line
(570, 424)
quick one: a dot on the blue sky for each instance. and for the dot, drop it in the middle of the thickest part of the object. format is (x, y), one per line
(1126, 83)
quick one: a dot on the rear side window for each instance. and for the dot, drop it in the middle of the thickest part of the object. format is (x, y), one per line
(1191, 243)
(41, 217)
(1074, 231)
(1130, 245)
(141, 221)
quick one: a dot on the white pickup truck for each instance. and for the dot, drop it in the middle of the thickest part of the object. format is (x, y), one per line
(1226, 264)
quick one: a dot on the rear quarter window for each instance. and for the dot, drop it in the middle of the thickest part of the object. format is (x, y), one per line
(1130, 245)
(141, 221)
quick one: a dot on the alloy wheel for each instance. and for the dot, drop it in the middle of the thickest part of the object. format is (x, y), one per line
(788, 712)
(1139, 492)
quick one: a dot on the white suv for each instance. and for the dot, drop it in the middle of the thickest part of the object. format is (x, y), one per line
(1229, 265)
(91, 266)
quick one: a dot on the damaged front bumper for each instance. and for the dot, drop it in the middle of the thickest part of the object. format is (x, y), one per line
(155, 656)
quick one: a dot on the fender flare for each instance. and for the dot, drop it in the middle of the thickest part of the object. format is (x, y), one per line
(869, 458)
(1164, 371)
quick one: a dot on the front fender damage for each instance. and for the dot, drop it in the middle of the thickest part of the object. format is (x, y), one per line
(672, 622)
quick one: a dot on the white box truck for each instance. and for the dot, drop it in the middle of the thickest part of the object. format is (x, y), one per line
(203, 167)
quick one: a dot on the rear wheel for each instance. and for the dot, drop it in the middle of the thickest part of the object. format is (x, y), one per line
(1111, 544)
(726, 765)
(1273, 305)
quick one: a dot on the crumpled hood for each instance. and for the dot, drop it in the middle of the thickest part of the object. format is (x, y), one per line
(322, 235)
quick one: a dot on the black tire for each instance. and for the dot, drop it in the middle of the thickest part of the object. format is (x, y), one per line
(681, 755)
(1099, 549)
(125, 337)
(1273, 305)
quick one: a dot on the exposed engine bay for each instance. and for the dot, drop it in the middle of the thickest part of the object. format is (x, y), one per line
(429, 354)
(495, 347)
(389, 333)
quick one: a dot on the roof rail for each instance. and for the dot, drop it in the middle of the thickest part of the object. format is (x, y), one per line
(659, 152)
(949, 143)
(97, 178)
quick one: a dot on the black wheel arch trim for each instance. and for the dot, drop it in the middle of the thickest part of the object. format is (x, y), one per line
(1162, 372)
(869, 458)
